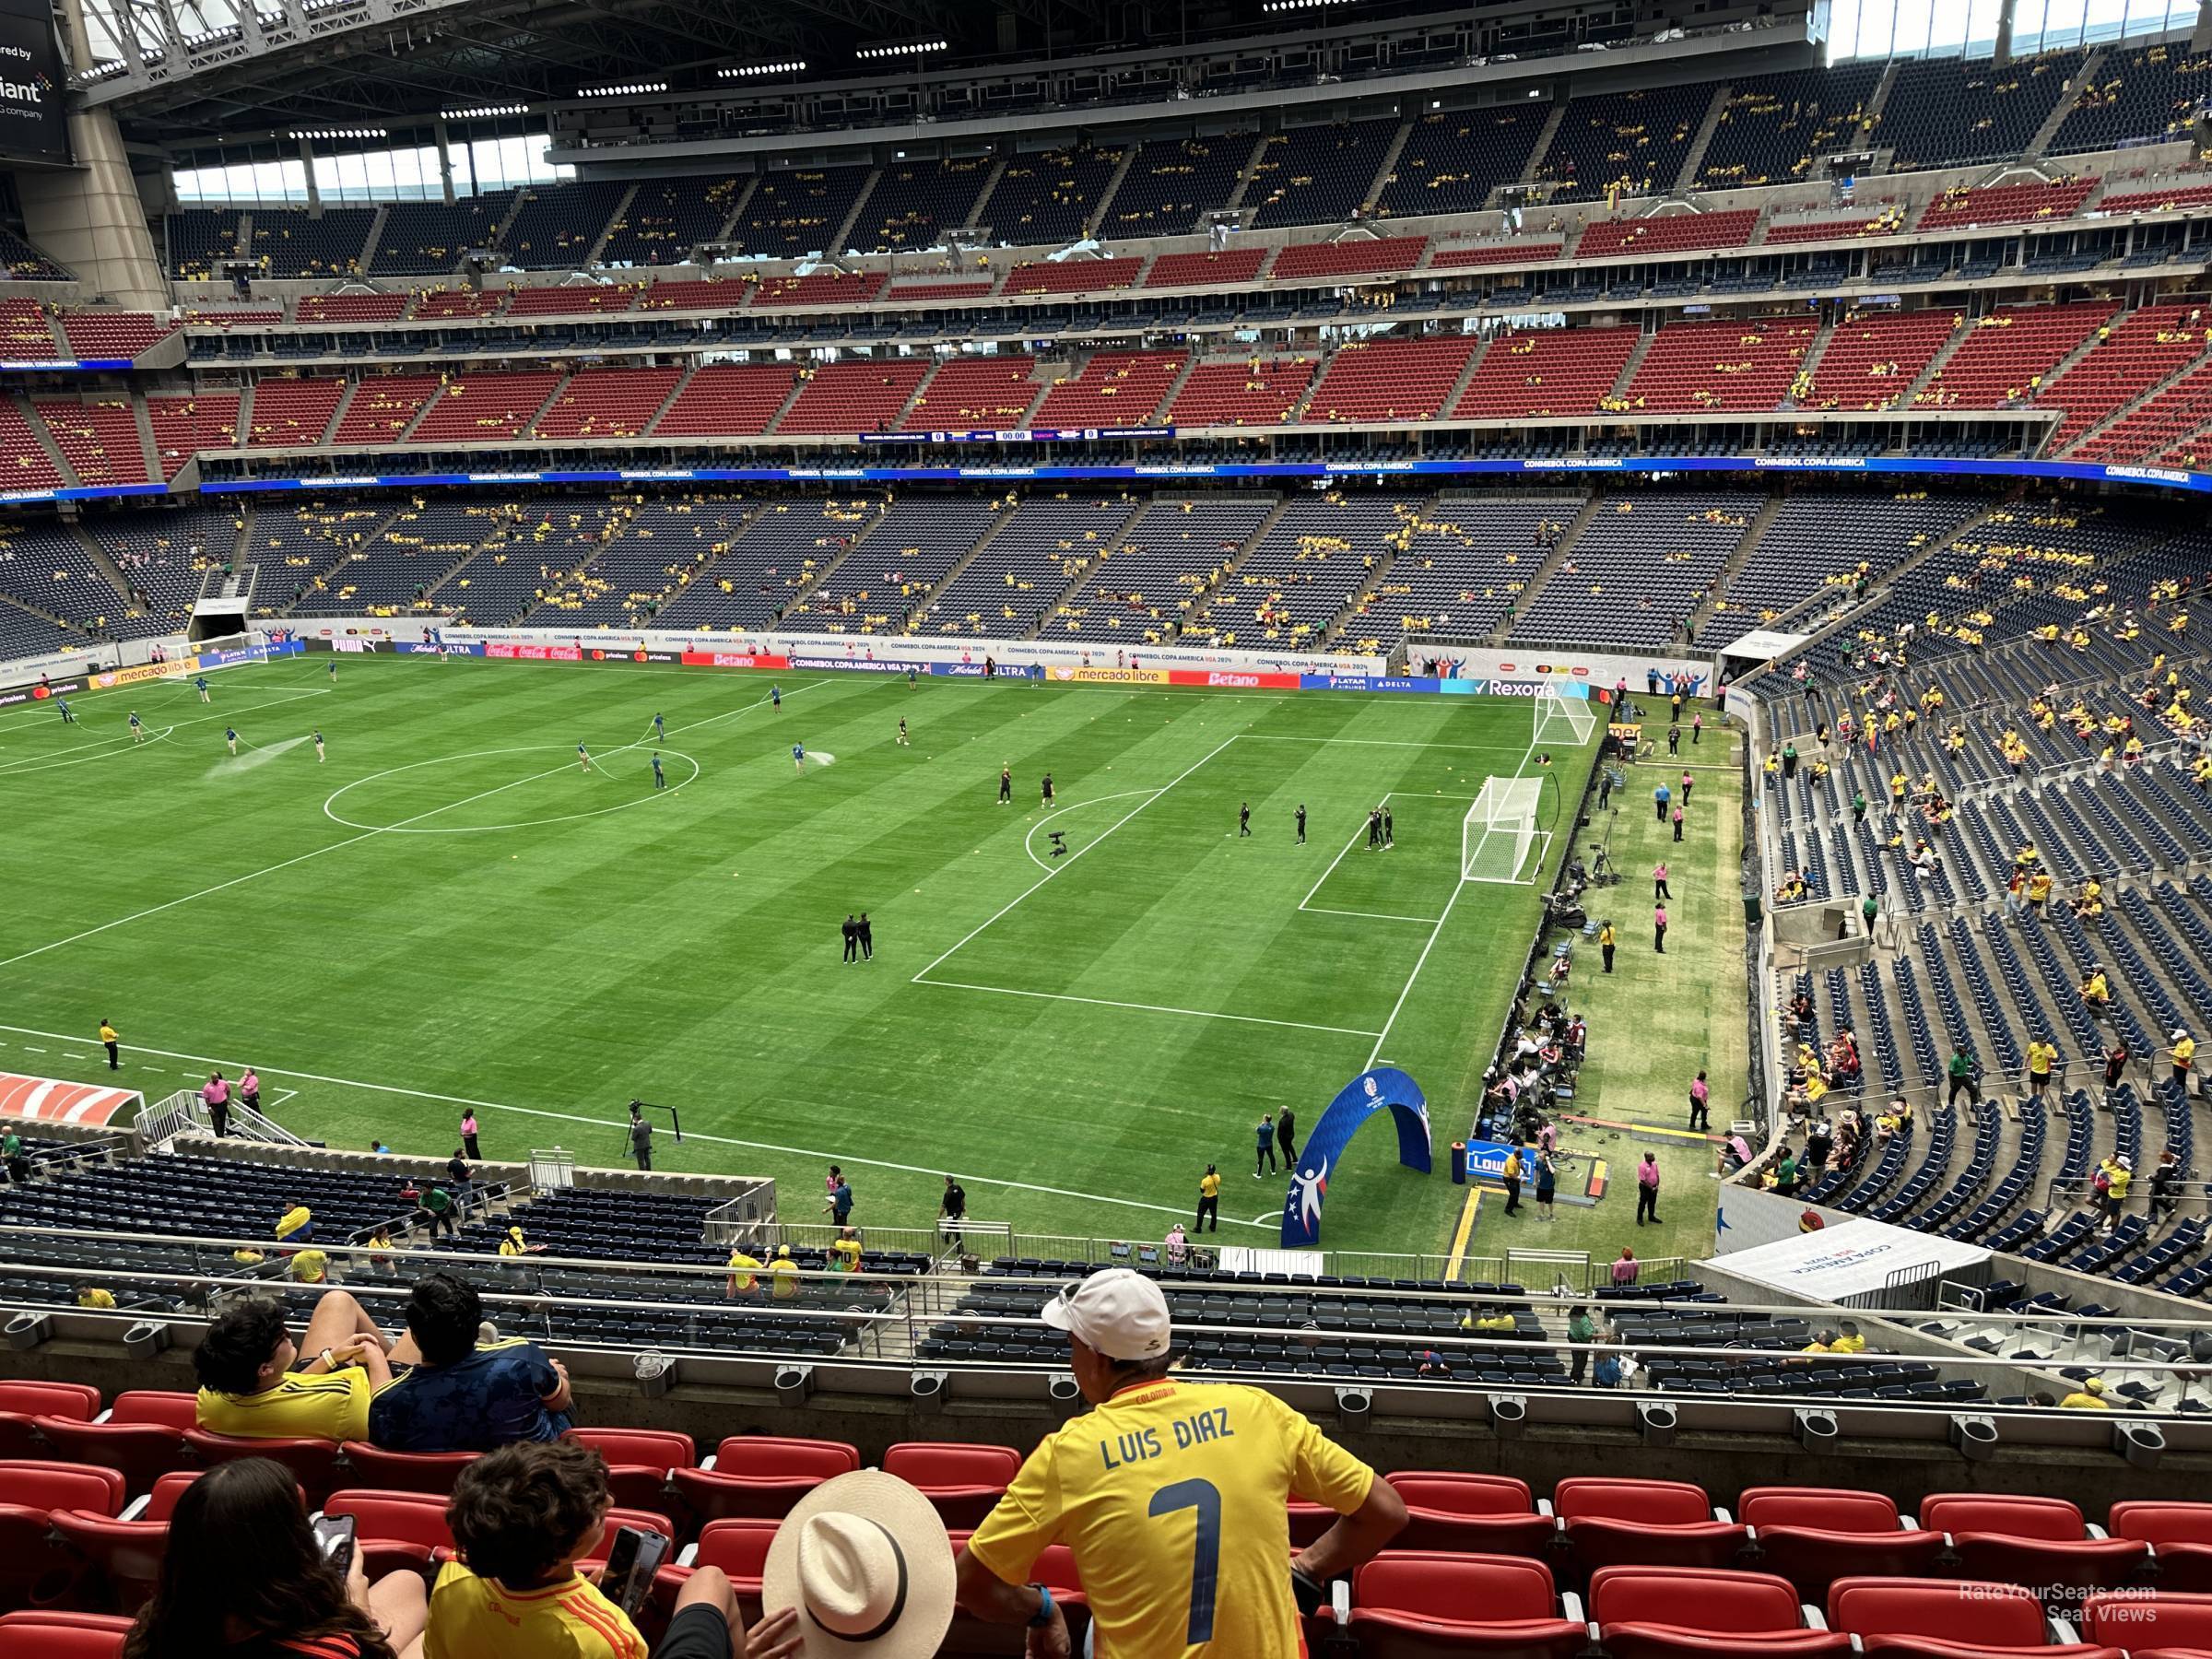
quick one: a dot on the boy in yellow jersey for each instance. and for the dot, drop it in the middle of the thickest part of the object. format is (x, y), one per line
(745, 1274)
(1173, 1497)
(524, 1517)
(249, 1385)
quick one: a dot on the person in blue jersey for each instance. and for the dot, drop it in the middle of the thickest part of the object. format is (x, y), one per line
(775, 696)
(137, 728)
(230, 737)
(660, 728)
(660, 779)
(466, 1395)
(798, 757)
(317, 735)
(200, 685)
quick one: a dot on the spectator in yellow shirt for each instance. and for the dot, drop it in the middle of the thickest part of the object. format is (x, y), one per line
(2184, 1055)
(783, 1276)
(2042, 1056)
(2089, 1396)
(297, 1225)
(253, 1381)
(744, 1274)
(523, 1519)
(1847, 1339)
(845, 1251)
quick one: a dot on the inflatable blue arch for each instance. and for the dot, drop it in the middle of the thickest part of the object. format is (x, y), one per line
(1384, 1089)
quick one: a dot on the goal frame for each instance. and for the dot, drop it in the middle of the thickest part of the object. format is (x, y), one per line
(1505, 811)
(1567, 721)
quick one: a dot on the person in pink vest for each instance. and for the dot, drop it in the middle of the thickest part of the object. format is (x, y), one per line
(215, 1095)
(1647, 1190)
(1627, 1267)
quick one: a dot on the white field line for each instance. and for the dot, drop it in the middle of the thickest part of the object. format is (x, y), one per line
(1101, 1002)
(1322, 909)
(351, 841)
(1028, 840)
(1493, 748)
(207, 1062)
(1437, 932)
(922, 977)
(112, 745)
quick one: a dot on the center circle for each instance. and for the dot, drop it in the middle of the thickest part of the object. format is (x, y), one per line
(420, 813)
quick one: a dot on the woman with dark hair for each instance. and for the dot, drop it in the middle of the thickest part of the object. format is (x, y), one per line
(243, 1578)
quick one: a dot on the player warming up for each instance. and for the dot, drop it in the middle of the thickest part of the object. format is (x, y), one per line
(660, 779)
(201, 685)
(62, 703)
(230, 737)
(137, 728)
(903, 742)
(775, 696)
(334, 670)
(660, 729)
(317, 735)
(1243, 818)
(1005, 782)
(798, 757)
(1302, 823)
(584, 757)
(1048, 789)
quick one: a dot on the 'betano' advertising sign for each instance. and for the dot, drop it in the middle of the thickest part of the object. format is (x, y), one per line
(34, 126)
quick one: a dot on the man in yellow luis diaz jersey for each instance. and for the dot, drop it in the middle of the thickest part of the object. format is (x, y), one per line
(1173, 1497)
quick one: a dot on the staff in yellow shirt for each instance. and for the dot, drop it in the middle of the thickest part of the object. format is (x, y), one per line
(1172, 1498)
(1209, 1199)
(2183, 1053)
(108, 1041)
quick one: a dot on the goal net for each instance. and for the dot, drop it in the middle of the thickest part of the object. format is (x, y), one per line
(1566, 721)
(1499, 831)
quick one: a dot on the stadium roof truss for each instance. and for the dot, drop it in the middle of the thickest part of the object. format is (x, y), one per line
(321, 61)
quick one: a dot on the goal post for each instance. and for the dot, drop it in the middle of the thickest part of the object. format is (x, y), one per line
(1564, 719)
(1500, 834)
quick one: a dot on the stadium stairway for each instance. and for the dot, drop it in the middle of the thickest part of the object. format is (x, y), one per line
(1560, 553)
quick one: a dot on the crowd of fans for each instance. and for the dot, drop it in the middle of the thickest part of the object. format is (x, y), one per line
(862, 1566)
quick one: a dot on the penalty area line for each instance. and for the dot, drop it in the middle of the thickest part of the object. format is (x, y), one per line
(1101, 1002)
(610, 1122)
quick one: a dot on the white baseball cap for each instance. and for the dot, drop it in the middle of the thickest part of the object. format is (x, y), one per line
(1119, 1312)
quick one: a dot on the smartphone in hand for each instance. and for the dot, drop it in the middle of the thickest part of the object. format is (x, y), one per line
(334, 1537)
(631, 1560)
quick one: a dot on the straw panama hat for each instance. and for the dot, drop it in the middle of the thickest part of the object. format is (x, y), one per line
(864, 1559)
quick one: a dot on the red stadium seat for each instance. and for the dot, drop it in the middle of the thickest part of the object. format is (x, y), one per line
(313, 1463)
(1813, 1535)
(52, 1635)
(406, 1471)
(52, 1485)
(1490, 1513)
(126, 1554)
(1309, 1520)
(396, 1530)
(761, 1475)
(21, 1402)
(1055, 1568)
(1946, 1619)
(2169, 1624)
(639, 1460)
(2013, 1539)
(2179, 1536)
(1410, 1604)
(141, 1452)
(171, 1408)
(1681, 1613)
(1643, 1524)
(161, 1502)
(739, 1547)
(32, 1573)
(962, 1480)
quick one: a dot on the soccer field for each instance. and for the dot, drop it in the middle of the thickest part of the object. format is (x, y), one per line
(450, 910)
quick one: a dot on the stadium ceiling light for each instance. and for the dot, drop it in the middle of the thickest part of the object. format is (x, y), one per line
(745, 71)
(1284, 5)
(484, 111)
(339, 133)
(634, 90)
(903, 48)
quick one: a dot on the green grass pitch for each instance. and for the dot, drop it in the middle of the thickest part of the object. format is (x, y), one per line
(452, 910)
